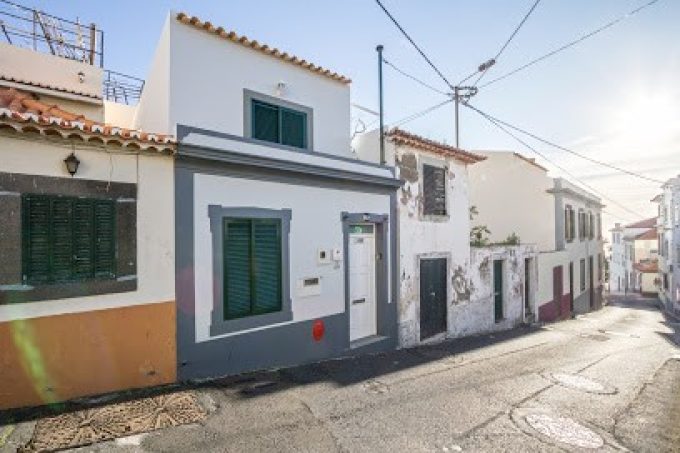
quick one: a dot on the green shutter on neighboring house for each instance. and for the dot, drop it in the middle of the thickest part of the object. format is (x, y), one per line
(237, 270)
(267, 265)
(293, 125)
(265, 121)
(104, 233)
(61, 239)
(36, 239)
(67, 239)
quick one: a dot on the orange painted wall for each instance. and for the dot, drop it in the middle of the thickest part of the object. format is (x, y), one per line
(56, 358)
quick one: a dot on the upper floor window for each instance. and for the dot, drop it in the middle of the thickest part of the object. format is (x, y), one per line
(434, 190)
(581, 224)
(591, 226)
(277, 124)
(569, 225)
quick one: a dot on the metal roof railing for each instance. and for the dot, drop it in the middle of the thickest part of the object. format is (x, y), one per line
(27, 27)
(122, 88)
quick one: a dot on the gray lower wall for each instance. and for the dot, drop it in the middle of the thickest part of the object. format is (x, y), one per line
(276, 346)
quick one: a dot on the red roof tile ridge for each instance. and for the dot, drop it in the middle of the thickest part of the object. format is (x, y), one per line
(400, 136)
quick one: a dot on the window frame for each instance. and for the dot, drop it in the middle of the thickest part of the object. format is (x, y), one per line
(249, 96)
(583, 273)
(569, 223)
(219, 325)
(436, 165)
(73, 278)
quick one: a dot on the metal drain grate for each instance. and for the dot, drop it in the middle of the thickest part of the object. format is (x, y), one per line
(116, 420)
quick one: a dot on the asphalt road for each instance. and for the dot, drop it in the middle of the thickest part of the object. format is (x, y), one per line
(606, 381)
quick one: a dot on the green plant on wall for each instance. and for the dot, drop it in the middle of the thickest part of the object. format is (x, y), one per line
(513, 239)
(479, 234)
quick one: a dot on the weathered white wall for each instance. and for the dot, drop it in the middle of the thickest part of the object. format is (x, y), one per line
(648, 282)
(208, 75)
(154, 175)
(476, 314)
(120, 115)
(511, 196)
(313, 226)
(49, 70)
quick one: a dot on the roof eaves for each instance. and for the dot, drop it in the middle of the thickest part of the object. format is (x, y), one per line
(253, 44)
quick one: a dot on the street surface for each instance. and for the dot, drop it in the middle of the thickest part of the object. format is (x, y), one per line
(606, 381)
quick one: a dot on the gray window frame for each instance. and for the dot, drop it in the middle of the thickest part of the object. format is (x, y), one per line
(217, 214)
(249, 96)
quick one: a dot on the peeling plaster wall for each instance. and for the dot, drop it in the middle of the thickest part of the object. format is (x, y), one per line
(475, 314)
(427, 236)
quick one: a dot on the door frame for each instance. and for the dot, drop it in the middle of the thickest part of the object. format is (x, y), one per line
(380, 224)
(571, 286)
(428, 256)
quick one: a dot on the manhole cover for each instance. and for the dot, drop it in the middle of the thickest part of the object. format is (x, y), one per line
(375, 387)
(582, 383)
(564, 430)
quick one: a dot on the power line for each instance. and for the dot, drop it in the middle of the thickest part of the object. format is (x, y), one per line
(500, 126)
(439, 73)
(414, 78)
(413, 116)
(570, 44)
(562, 148)
(507, 42)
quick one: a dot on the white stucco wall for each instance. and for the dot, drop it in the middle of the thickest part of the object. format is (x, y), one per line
(155, 218)
(313, 226)
(204, 77)
(43, 69)
(476, 315)
(511, 196)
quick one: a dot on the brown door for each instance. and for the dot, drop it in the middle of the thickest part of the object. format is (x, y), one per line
(558, 289)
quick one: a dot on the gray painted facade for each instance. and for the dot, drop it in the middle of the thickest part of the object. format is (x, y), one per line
(281, 343)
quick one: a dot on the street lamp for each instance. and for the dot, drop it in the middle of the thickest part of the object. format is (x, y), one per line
(72, 164)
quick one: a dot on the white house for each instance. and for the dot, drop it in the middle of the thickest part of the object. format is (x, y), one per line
(632, 244)
(513, 195)
(447, 289)
(87, 282)
(285, 241)
(668, 230)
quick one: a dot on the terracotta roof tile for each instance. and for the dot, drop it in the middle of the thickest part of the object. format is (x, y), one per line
(647, 235)
(23, 111)
(651, 267)
(51, 87)
(401, 137)
(647, 223)
(274, 52)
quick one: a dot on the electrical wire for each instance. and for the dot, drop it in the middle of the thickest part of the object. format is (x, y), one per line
(570, 151)
(574, 177)
(420, 114)
(507, 42)
(570, 44)
(414, 78)
(420, 51)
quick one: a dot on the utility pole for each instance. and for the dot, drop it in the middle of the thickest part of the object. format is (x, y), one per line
(461, 94)
(382, 116)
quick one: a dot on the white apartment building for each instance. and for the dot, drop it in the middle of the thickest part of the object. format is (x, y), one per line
(632, 244)
(668, 230)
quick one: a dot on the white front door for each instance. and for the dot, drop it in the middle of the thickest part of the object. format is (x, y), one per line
(362, 294)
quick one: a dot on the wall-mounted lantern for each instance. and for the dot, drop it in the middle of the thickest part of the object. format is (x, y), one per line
(81, 76)
(72, 164)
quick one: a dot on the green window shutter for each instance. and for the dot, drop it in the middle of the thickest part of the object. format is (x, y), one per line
(104, 237)
(293, 128)
(265, 121)
(83, 239)
(434, 190)
(36, 239)
(61, 239)
(266, 265)
(237, 268)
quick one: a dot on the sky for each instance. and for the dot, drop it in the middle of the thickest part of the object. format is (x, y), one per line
(614, 97)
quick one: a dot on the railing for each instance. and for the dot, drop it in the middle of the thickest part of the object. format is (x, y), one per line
(42, 32)
(122, 88)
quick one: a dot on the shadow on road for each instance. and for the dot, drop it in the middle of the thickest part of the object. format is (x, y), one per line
(341, 372)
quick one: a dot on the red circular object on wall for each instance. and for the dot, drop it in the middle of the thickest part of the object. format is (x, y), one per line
(318, 329)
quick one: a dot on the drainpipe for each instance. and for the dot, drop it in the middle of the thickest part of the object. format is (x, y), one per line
(380, 90)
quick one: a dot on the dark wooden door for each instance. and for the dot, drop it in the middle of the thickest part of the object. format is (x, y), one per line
(571, 287)
(498, 289)
(558, 288)
(432, 297)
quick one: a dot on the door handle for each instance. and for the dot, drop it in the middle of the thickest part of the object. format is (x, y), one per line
(359, 301)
